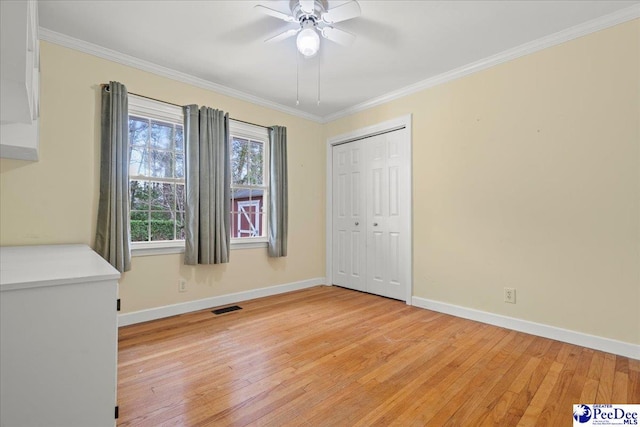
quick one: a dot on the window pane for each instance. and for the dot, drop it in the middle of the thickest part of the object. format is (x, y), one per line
(247, 219)
(234, 228)
(139, 215)
(179, 165)
(232, 212)
(138, 131)
(161, 164)
(139, 226)
(180, 233)
(239, 160)
(257, 194)
(179, 139)
(246, 215)
(162, 226)
(256, 155)
(162, 196)
(239, 194)
(138, 162)
(258, 224)
(161, 135)
(180, 197)
(139, 194)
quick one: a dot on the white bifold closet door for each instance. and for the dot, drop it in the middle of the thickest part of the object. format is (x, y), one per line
(371, 215)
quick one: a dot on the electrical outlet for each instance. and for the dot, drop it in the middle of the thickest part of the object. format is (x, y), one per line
(510, 295)
(182, 285)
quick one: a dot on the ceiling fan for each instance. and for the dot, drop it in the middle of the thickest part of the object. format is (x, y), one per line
(315, 17)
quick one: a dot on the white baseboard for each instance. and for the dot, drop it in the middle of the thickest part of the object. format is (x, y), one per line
(572, 337)
(125, 319)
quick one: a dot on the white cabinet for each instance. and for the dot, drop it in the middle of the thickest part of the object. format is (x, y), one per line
(19, 79)
(371, 215)
(58, 337)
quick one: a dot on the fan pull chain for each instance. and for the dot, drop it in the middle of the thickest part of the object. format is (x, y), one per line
(297, 78)
(318, 101)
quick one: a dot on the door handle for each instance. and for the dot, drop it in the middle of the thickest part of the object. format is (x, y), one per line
(357, 223)
(375, 224)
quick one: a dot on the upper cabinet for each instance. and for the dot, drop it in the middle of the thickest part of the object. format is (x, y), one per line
(20, 79)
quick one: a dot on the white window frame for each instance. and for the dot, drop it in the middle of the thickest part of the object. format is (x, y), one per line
(261, 134)
(144, 107)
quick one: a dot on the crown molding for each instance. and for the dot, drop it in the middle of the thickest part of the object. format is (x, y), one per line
(606, 21)
(121, 58)
(623, 15)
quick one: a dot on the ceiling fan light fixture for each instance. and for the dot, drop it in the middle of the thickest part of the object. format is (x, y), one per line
(308, 42)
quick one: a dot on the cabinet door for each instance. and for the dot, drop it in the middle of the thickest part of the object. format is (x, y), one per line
(59, 354)
(348, 216)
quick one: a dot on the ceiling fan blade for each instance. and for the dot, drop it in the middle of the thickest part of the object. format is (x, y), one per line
(275, 13)
(339, 36)
(283, 35)
(342, 13)
(307, 6)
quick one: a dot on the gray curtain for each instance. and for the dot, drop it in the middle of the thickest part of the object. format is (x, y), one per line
(112, 231)
(278, 192)
(208, 234)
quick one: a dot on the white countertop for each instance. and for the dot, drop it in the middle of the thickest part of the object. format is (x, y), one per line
(50, 265)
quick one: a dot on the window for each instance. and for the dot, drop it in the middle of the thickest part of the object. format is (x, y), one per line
(248, 149)
(157, 183)
(156, 174)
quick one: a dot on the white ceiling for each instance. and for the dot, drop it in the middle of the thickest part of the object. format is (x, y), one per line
(400, 43)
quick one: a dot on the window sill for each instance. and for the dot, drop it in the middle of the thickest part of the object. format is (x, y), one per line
(159, 248)
(248, 245)
(166, 248)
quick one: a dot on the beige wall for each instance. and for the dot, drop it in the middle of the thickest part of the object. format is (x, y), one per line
(527, 175)
(55, 200)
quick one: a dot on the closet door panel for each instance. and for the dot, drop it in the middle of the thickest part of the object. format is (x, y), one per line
(348, 216)
(398, 215)
(387, 194)
(377, 208)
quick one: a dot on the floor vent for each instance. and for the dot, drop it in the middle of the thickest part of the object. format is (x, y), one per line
(226, 309)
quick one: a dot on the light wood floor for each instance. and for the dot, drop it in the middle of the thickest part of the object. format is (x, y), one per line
(327, 356)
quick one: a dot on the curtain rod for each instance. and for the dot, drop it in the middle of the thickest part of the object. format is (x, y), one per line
(106, 86)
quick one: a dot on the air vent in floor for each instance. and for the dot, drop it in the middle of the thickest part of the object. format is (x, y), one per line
(226, 309)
